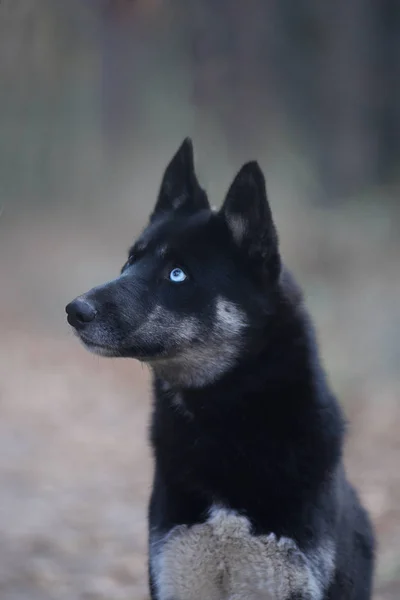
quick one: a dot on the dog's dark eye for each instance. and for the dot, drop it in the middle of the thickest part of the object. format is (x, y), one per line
(129, 262)
(131, 259)
(177, 275)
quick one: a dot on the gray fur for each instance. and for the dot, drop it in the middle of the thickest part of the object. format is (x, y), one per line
(222, 560)
(206, 354)
(161, 322)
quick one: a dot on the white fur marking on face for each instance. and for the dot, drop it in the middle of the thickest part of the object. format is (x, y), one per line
(230, 318)
(101, 350)
(162, 251)
(161, 322)
(221, 559)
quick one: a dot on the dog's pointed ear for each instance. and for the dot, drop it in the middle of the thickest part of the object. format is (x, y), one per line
(180, 189)
(247, 214)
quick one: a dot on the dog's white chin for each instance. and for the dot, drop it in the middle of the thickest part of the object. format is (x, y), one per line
(101, 350)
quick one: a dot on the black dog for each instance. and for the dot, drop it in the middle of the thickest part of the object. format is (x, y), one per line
(250, 498)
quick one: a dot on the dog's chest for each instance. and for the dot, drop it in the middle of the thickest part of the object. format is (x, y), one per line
(221, 560)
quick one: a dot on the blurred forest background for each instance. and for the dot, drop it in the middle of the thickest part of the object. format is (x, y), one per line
(95, 96)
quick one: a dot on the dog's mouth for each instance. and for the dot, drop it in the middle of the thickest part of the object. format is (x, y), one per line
(96, 347)
(103, 344)
(111, 350)
(101, 349)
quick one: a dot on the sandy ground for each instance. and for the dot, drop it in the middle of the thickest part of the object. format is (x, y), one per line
(75, 465)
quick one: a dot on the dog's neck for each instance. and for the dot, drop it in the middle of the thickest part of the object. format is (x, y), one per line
(195, 369)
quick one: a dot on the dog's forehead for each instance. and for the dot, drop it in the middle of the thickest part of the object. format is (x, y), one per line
(176, 234)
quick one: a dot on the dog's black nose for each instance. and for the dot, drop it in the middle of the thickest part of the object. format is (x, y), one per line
(80, 312)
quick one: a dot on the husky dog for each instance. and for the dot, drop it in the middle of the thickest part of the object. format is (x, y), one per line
(250, 499)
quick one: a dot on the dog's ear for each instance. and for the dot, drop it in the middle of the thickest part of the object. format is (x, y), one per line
(180, 191)
(247, 214)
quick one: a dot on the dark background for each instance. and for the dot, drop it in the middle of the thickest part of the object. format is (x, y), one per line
(95, 96)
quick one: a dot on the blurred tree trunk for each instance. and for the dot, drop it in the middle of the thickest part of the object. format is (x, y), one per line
(348, 141)
(299, 39)
(327, 83)
(387, 88)
(118, 33)
(125, 35)
(232, 52)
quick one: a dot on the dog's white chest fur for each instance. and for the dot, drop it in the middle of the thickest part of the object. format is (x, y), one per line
(222, 560)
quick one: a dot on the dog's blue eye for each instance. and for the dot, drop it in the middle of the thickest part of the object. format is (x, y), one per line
(177, 275)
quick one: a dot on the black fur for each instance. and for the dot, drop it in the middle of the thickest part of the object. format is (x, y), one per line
(264, 435)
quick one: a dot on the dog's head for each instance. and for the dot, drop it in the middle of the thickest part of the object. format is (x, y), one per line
(198, 284)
